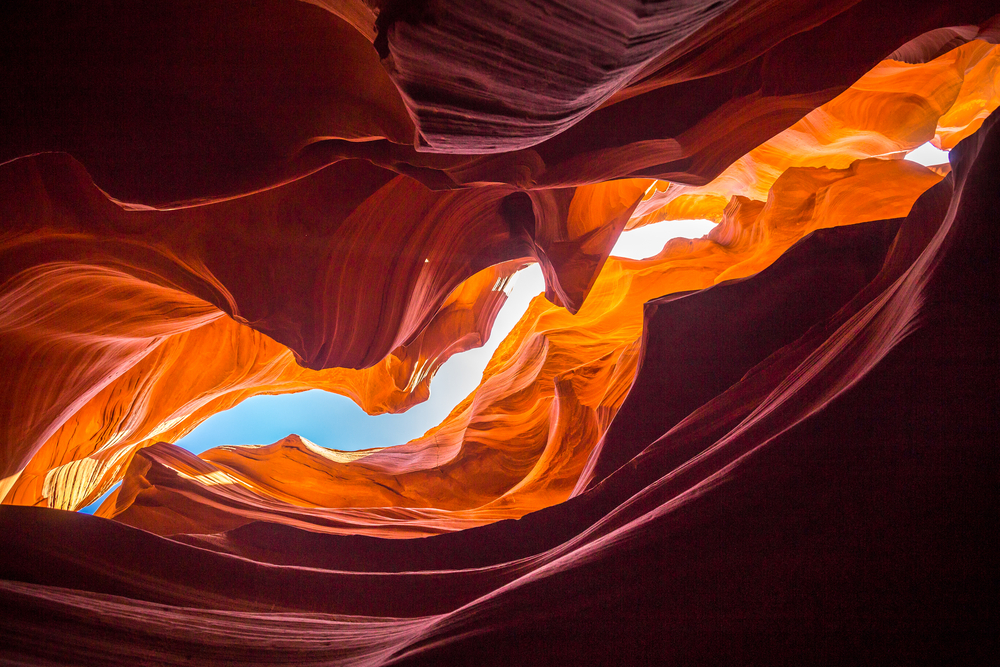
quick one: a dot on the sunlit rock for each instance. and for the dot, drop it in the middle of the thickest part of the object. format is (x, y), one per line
(771, 443)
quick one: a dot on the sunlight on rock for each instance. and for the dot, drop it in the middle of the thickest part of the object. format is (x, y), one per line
(272, 315)
(335, 421)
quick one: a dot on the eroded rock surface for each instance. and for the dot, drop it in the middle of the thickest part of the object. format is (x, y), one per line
(773, 441)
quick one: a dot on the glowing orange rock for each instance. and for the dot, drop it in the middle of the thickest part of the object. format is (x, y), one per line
(892, 109)
(342, 289)
(91, 449)
(331, 193)
(521, 441)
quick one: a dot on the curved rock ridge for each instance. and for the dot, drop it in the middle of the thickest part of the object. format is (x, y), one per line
(469, 76)
(189, 102)
(892, 109)
(162, 397)
(836, 495)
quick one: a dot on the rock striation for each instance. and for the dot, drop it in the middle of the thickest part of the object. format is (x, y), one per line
(768, 444)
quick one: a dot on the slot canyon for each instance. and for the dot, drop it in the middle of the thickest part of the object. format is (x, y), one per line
(774, 444)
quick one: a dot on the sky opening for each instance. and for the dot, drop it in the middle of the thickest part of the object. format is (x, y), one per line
(927, 155)
(648, 241)
(335, 421)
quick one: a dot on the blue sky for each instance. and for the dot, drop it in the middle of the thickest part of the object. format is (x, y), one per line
(335, 421)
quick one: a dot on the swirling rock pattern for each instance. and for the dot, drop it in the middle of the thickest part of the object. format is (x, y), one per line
(772, 441)
(784, 504)
(73, 471)
(356, 289)
(521, 440)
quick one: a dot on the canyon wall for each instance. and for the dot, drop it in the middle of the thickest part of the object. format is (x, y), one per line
(773, 442)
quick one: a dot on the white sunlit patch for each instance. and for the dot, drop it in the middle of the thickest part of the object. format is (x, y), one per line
(928, 155)
(648, 241)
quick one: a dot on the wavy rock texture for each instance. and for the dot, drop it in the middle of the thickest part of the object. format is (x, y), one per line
(756, 446)
(160, 118)
(782, 516)
(519, 443)
(888, 111)
(336, 284)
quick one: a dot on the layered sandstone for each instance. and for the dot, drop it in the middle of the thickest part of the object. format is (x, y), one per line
(773, 440)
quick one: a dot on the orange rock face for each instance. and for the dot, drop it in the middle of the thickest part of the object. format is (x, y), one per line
(413, 275)
(520, 442)
(90, 452)
(202, 203)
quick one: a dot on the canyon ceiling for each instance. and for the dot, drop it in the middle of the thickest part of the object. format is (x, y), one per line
(776, 444)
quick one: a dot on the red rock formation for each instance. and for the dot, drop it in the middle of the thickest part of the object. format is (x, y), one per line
(772, 441)
(506, 451)
(78, 464)
(337, 285)
(159, 117)
(783, 515)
